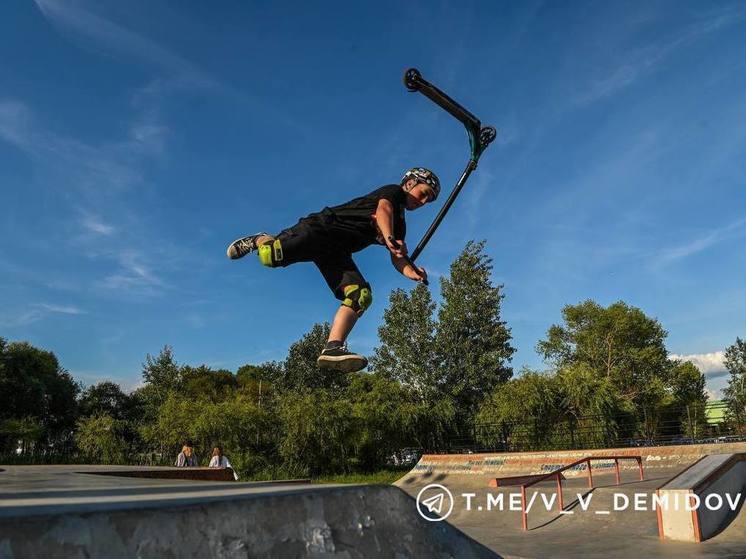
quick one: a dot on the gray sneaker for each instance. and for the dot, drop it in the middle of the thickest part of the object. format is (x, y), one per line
(243, 246)
(342, 360)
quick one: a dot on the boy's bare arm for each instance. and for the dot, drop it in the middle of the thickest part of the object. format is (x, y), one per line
(385, 218)
(385, 222)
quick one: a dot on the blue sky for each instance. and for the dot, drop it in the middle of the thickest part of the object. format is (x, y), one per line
(138, 139)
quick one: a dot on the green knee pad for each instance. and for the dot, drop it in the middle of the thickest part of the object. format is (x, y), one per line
(357, 297)
(270, 254)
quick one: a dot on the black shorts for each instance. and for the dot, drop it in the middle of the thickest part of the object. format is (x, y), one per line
(310, 240)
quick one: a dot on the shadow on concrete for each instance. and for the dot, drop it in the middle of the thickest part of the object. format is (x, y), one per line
(732, 515)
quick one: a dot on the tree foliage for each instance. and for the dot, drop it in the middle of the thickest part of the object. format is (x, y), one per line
(619, 343)
(407, 352)
(103, 439)
(317, 432)
(735, 392)
(440, 377)
(300, 371)
(105, 398)
(34, 385)
(452, 363)
(531, 401)
(472, 341)
(610, 378)
(24, 432)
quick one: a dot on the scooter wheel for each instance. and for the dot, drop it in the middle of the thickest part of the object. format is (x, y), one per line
(411, 79)
(486, 135)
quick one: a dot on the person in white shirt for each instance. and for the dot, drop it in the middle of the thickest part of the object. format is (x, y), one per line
(219, 460)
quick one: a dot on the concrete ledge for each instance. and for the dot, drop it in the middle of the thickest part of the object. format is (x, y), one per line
(198, 474)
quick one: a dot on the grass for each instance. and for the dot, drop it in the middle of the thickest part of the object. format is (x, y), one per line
(386, 476)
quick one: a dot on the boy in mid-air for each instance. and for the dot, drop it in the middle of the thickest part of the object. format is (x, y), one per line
(329, 237)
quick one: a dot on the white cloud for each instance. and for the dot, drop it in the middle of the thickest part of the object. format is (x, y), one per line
(711, 364)
(149, 135)
(180, 73)
(39, 311)
(14, 122)
(196, 320)
(96, 176)
(134, 275)
(70, 16)
(93, 170)
(642, 61)
(733, 230)
(61, 309)
(95, 225)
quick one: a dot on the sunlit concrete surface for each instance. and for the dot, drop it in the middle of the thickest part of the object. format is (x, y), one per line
(68, 511)
(584, 533)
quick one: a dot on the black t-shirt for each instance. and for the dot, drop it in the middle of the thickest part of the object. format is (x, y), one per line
(353, 224)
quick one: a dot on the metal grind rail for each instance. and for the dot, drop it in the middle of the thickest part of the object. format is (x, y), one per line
(557, 475)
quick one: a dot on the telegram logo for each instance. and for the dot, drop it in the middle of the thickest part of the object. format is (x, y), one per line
(434, 502)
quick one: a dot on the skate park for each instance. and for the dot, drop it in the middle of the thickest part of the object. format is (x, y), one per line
(97, 511)
(606, 528)
(372, 280)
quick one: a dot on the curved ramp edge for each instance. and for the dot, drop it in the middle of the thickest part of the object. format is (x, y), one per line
(354, 521)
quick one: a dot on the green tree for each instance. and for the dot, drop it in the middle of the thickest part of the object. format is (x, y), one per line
(239, 425)
(589, 405)
(171, 426)
(257, 382)
(618, 342)
(104, 398)
(521, 413)
(688, 390)
(407, 350)
(384, 413)
(318, 432)
(431, 424)
(25, 432)
(735, 392)
(161, 376)
(270, 372)
(102, 439)
(300, 370)
(687, 383)
(33, 384)
(162, 372)
(472, 342)
(204, 382)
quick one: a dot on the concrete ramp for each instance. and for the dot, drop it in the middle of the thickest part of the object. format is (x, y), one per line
(703, 500)
(57, 512)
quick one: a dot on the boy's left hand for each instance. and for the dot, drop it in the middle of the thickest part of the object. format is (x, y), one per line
(418, 274)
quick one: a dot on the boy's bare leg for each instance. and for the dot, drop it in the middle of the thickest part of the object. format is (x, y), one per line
(336, 355)
(343, 322)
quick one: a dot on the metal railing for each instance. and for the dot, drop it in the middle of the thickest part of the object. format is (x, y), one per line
(557, 474)
(707, 424)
